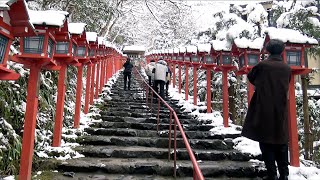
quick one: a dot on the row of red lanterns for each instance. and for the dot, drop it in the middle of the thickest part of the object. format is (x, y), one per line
(220, 56)
(53, 47)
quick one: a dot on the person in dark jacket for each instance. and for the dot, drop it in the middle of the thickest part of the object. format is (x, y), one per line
(127, 73)
(267, 117)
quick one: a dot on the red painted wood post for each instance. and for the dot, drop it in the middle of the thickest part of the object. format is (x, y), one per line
(88, 87)
(180, 80)
(187, 82)
(195, 88)
(97, 80)
(29, 124)
(225, 97)
(93, 72)
(101, 76)
(106, 71)
(208, 90)
(174, 75)
(250, 91)
(58, 123)
(292, 125)
(76, 123)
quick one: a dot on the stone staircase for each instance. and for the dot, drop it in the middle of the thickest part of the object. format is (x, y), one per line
(126, 145)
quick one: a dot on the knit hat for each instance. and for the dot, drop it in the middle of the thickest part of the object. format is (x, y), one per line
(275, 47)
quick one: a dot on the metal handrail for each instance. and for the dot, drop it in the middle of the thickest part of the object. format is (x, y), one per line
(197, 173)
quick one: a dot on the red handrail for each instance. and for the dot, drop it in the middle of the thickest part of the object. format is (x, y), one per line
(197, 173)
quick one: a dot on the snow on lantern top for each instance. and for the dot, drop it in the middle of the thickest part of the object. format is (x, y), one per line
(192, 49)
(76, 28)
(245, 43)
(182, 50)
(48, 18)
(134, 48)
(221, 45)
(176, 50)
(91, 36)
(289, 35)
(204, 48)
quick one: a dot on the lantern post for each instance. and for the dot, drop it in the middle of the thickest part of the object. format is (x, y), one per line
(293, 55)
(182, 51)
(225, 64)
(64, 55)
(36, 53)
(206, 60)
(190, 57)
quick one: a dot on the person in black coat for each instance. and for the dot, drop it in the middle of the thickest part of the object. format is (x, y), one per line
(127, 73)
(267, 117)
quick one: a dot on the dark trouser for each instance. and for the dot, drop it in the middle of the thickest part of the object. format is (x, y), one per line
(167, 88)
(150, 80)
(127, 77)
(272, 153)
(161, 83)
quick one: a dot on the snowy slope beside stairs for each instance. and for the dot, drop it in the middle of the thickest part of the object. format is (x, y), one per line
(126, 145)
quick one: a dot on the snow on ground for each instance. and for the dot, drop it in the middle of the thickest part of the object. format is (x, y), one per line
(306, 171)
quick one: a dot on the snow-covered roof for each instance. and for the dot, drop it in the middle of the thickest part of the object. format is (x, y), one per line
(204, 48)
(176, 50)
(134, 48)
(182, 49)
(247, 43)
(289, 35)
(4, 5)
(91, 36)
(48, 18)
(192, 49)
(76, 28)
(221, 45)
(171, 51)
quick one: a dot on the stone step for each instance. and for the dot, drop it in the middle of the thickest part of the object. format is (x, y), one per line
(211, 144)
(105, 176)
(159, 153)
(150, 126)
(147, 120)
(154, 133)
(160, 167)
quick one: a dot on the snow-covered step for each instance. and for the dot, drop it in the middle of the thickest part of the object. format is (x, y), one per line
(159, 153)
(151, 166)
(158, 142)
(154, 133)
(150, 126)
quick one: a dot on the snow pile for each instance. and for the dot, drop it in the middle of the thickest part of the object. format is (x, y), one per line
(257, 13)
(91, 36)
(48, 18)
(3, 4)
(289, 35)
(76, 28)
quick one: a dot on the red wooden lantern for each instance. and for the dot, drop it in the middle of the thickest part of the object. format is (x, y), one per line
(249, 56)
(36, 53)
(293, 55)
(13, 23)
(226, 52)
(190, 57)
(81, 48)
(204, 53)
(65, 54)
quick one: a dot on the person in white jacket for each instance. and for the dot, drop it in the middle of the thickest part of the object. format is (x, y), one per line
(149, 69)
(160, 75)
